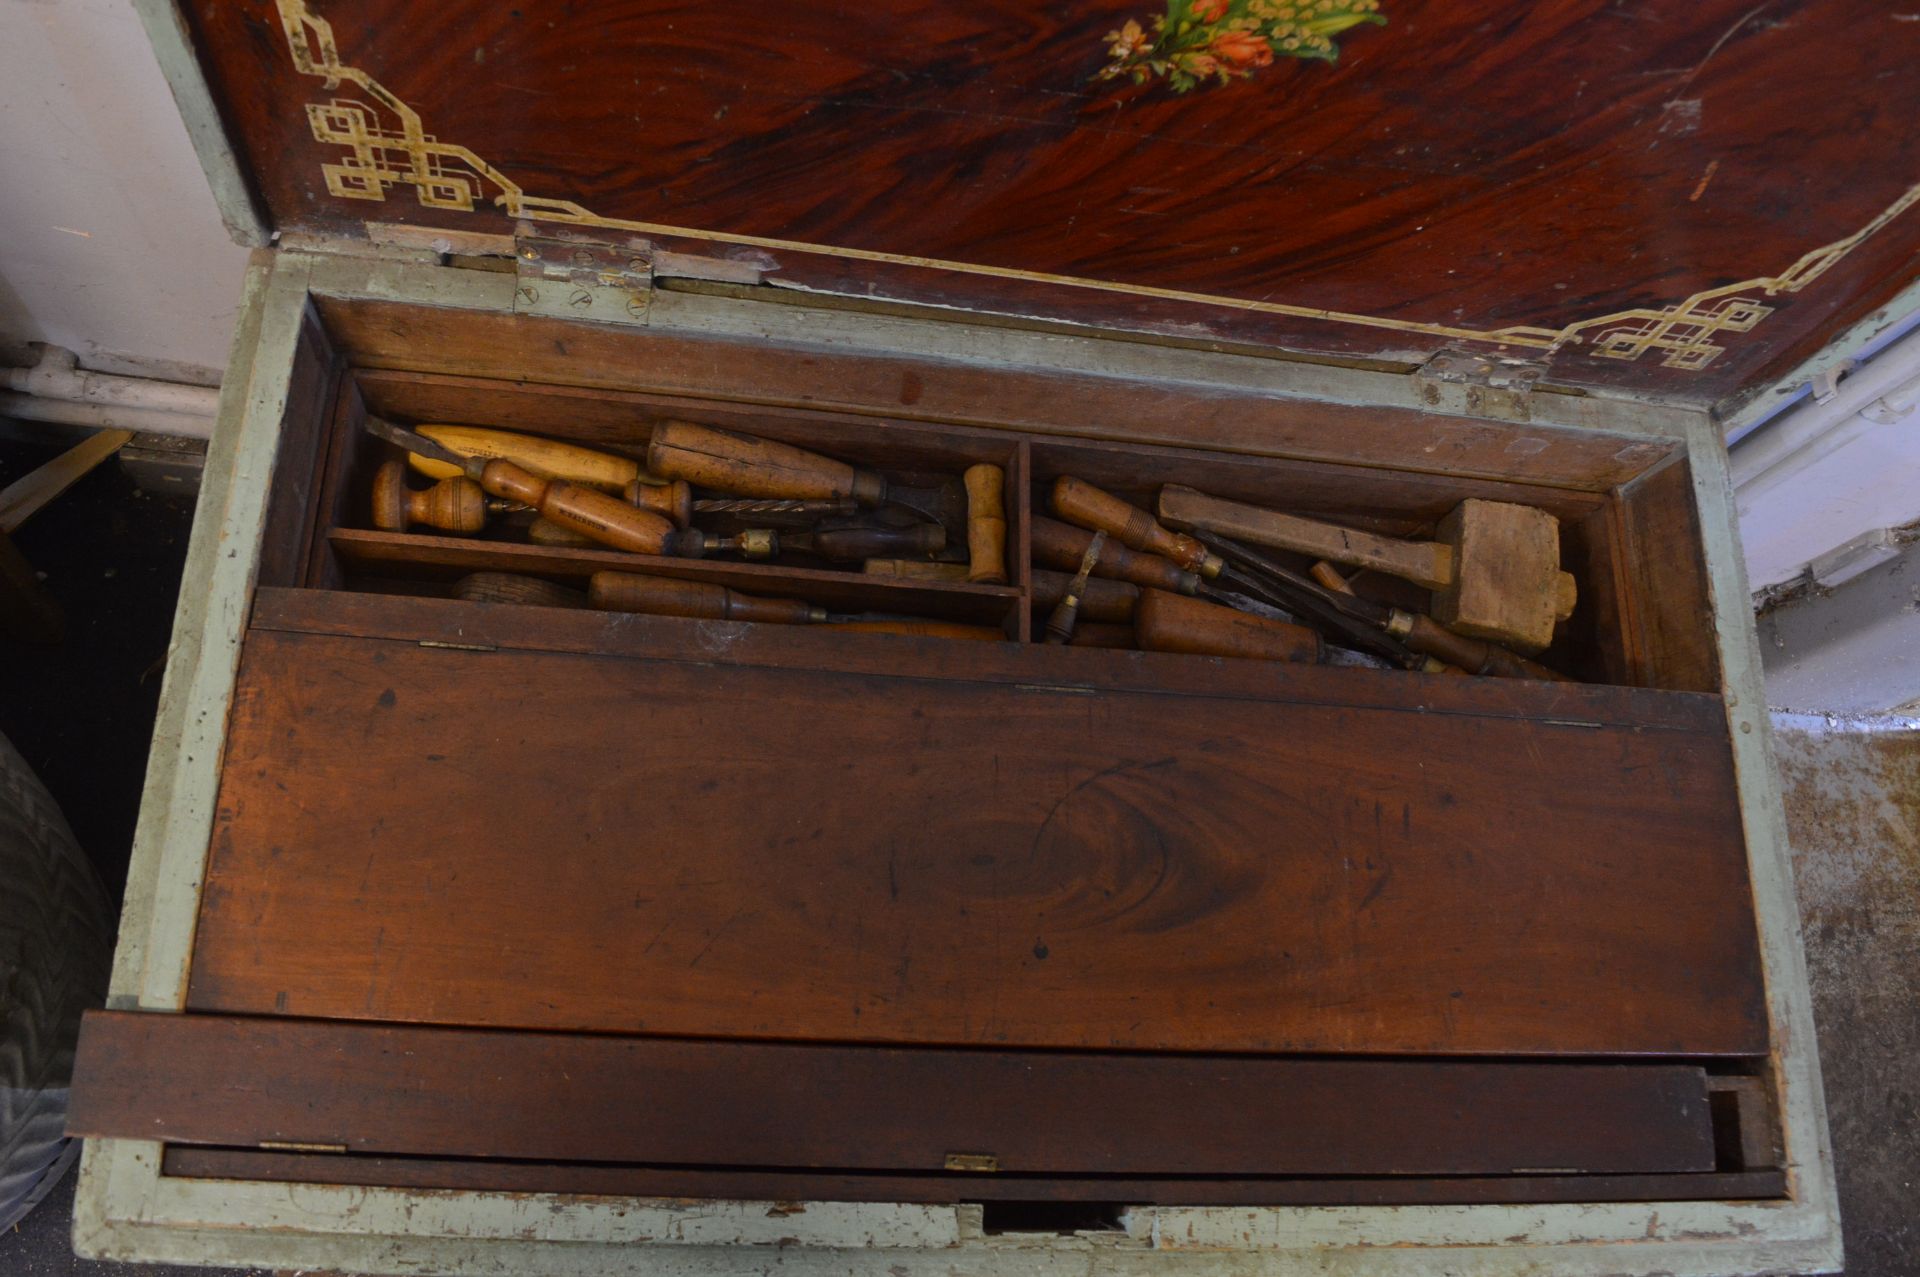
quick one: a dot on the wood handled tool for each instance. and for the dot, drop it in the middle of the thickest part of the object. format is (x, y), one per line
(1419, 635)
(835, 544)
(1083, 504)
(1166, 622)
(451, 505)
(1061, 620)
(986, 524)
(753, 467)
(1494, 572)
(548, 458)
(593, 513)
(700, 600)
(666, 596)
(1059, 546)
(1100, 599)
(916, 570)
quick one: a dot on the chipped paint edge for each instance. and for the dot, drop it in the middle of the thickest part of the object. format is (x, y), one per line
(127, 1210)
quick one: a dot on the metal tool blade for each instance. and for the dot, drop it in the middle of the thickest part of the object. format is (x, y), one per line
(401, 437)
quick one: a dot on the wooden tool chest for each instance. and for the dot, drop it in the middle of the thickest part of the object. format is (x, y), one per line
(481, 936)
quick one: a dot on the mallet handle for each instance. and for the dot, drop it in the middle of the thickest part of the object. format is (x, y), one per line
(1426, 563)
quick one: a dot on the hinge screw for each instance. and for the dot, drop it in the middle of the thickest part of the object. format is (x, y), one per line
(581, 297)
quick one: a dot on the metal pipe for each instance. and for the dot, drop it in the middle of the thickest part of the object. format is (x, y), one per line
(103, 416)
(140, 403)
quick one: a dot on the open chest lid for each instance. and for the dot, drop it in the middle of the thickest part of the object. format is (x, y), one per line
(1680, 198)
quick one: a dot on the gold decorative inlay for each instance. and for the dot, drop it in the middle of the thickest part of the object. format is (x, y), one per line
(385, 145)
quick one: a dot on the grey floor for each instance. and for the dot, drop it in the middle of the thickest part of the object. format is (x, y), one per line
(82, 714)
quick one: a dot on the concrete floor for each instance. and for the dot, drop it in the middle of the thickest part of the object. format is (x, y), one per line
(82, 714)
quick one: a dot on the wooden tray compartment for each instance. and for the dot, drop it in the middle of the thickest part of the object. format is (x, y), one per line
(1633, 548)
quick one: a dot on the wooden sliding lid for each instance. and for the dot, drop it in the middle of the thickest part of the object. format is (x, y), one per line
(1683, 197)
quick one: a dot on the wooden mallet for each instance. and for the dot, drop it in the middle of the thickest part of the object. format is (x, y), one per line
(1494, 571)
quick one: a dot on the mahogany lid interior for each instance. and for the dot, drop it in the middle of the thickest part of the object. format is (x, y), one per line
(1681, 197)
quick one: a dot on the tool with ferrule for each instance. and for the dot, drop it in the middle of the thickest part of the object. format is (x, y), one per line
(1417, 634)
(838, 545)
(701, 600)
(1067, 610)
(1059, 546)
(588, 511)
(1151, 570)
(1495, 571)
(1083, 504)
(1100, 599)
(751, 467)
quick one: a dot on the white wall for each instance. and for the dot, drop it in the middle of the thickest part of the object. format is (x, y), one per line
(109, 240)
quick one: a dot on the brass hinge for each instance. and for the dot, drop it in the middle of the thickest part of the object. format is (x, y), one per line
(1481, 385)
(574, 277)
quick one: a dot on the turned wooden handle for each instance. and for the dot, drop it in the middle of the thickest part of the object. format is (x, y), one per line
(1100, 600)
(846, 544)
(672, 500)
(1166, 622)
(451, 505)
(1083, 504)
(986, 524)
(588, 511)
(915, 569)
(664, 596)
(1427, 563)
(1476, 656)
(919, 629)
(1060, 546)
(546, 457)
(750, 467)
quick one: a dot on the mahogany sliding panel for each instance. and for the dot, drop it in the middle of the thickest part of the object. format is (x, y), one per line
(670, 841)
(474, 1093)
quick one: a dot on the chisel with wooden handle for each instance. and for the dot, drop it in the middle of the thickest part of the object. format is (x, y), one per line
(548, 458)
(701, 600)
(588, 511)
(1059, 546)
(1083, 504)
(754, 467)
(1419, 634)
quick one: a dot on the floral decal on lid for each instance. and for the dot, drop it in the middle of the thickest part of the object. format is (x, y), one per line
(1223, 40)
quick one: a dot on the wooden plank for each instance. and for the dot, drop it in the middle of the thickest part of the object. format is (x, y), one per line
(455, 622)
(1659, 538)
(191, 1161)
(537, 839)
(21, 498)
(298, 472)
(236, 1081)
(451, 349)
